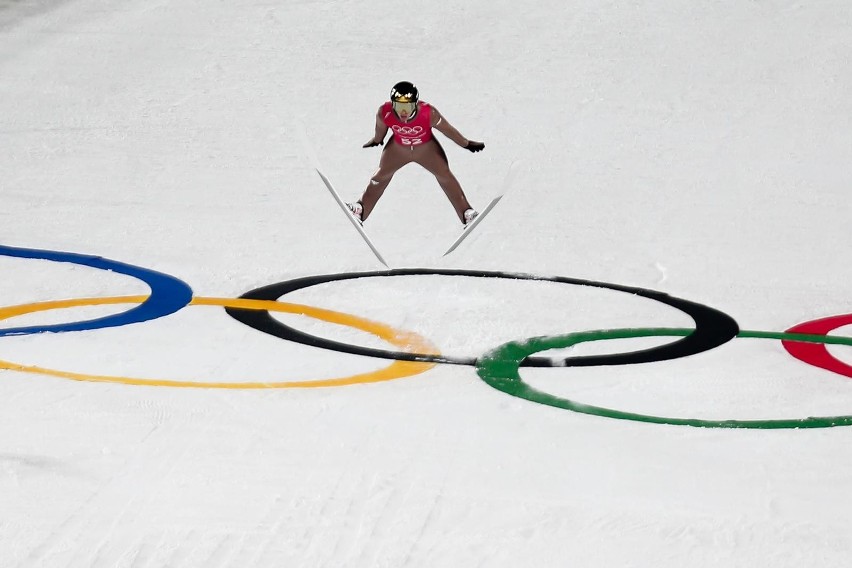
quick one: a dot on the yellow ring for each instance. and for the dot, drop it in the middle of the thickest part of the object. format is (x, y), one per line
(397, 370)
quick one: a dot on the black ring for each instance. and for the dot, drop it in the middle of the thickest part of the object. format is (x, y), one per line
(712, 327)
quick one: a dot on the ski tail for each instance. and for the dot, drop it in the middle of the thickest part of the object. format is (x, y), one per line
(468, 229)
(299, 127)
(349, 216)
(511, 175)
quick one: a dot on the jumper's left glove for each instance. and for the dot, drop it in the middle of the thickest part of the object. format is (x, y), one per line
(474, 146)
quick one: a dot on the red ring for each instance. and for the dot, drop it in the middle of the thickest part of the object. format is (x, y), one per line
(817, 354)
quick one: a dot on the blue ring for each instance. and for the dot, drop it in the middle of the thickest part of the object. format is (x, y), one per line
(168, 294)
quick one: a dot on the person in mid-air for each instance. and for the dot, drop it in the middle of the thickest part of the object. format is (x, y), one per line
(411, 121)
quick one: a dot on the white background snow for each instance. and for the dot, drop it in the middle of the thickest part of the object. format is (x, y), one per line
(701, 149)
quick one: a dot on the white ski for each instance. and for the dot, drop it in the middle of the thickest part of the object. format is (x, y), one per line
(351, 218)
(507, 183)
(299, 127)
(469, 228)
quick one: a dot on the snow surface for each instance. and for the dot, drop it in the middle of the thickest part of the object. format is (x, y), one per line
(701, 149)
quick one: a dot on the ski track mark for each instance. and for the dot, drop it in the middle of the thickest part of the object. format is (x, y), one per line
(424, 527)
(269, 530)
(72, 539)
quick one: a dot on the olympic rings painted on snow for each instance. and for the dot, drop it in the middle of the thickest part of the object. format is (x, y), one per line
(817, 354)
(168, 294)
(500, 369)
(712, 327)
(397, 370)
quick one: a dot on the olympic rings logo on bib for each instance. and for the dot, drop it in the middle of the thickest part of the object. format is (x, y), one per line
(498, 368)
(406, 134)
(407, 130)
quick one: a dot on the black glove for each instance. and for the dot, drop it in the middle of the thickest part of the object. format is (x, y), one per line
(372, 143)
(475, 146)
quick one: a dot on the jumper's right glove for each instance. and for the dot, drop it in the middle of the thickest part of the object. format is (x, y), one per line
(474, 146)
(372, 143)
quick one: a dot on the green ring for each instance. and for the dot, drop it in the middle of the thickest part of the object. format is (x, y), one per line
(499, 368)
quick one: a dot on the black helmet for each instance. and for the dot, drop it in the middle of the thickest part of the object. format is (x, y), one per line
(404, 97)
(404, 92)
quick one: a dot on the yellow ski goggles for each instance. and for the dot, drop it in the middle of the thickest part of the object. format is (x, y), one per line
(404, 105)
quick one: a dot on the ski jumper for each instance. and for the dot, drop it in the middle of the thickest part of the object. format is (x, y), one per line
(413, 141)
